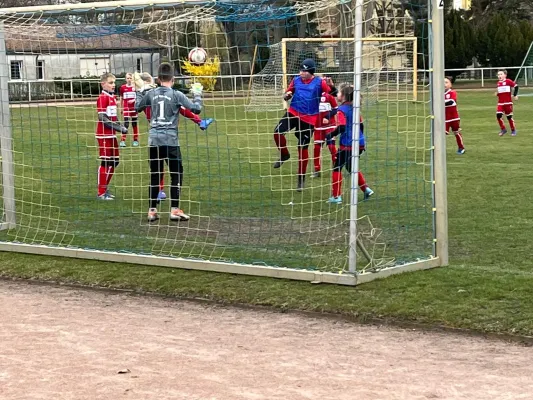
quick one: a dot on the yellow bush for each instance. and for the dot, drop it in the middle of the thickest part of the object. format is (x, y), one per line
(210, 68)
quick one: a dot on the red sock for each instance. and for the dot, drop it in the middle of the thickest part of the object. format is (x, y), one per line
(502, 125)
(316, 156)
(102, 180)
(281, 143)
(123, 138)
(333, 151)
(109, 174)
(459, 139)
(162, 183)
(336, 183)
(136, 133)
(512, 124)
(303, 159)
(362, 182)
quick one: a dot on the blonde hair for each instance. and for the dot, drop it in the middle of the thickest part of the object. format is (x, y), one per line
(129, 74)
(146, 77)
(106, 76)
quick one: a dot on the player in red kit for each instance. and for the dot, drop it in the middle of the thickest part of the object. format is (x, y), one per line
(128, 94)
(453, 120)
(107, 125)
(505, 101)
(304, 92)
(325, 125)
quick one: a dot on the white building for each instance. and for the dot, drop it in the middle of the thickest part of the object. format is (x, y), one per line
(46, 53)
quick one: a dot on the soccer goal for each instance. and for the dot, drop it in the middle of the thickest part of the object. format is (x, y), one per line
(525, 73)
(389, 66)
(64, 194)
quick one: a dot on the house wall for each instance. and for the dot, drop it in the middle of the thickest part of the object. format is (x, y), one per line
(70, 65)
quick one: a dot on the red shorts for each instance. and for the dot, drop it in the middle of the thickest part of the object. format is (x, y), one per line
(455, 126)
(320, 134)
(108, 148)
(130, 113)
(506, 109)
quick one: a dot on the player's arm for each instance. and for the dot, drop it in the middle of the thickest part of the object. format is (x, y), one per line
(289, 92)
(341, 127)
(101, 107)
(515, 89)
(452, 101)
(143, 100)
(195, 105)
(334, 107)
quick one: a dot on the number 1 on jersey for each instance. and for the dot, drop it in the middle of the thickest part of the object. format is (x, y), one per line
(161, 110)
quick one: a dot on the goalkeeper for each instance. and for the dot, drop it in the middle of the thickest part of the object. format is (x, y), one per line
(164, 103)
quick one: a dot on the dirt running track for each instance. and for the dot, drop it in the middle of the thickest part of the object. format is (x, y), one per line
(60, 343)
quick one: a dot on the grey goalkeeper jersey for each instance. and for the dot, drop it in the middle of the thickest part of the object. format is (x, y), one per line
(165, 104)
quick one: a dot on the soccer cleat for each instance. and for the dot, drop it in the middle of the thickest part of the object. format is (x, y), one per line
(178, 215)
(368, 192)
(301, 183)
(335, 200)
(110, 194)
(135, 143)
(122, 144)
(502, 132)
(513, 133)
(161, 196)
(204, 124)
(152, 215)
(105, 196)
(316, 174)
(280, 162)
(461, 151)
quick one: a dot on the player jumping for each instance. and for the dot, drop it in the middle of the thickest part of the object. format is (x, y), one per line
(305, 92)
(163, 142)
(453, 120)
(147, 83)
(107, 125)
(128, 95)
(505, 101)
(344, 156)
(326, 123)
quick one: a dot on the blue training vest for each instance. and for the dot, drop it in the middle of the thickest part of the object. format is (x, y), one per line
(347, 136)
(306, 98)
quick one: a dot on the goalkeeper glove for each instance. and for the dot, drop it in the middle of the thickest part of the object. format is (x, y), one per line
(137, 81)
(287, 96)
(197, 89)
(204, 124)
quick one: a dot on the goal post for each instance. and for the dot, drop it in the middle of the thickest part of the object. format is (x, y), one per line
(247, 215)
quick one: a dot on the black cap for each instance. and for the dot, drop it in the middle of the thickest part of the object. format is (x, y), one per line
(308, 65)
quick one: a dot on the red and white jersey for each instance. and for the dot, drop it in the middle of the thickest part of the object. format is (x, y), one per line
(327, 103)
(106, 104)
(128, 95)
(504, 92)
(450, 98)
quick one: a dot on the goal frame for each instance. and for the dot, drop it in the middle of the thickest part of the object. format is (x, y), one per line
(440, 251)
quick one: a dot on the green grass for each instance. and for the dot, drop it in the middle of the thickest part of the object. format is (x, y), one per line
(487, 287)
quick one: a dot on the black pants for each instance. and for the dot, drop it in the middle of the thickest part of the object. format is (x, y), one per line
(302, 130)
(158, 155)
(344, 159)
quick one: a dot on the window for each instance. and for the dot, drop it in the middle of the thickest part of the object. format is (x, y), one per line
(16, 70)
(139, 65)
(40, 70)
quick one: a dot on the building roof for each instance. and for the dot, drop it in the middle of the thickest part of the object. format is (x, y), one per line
(74, 39)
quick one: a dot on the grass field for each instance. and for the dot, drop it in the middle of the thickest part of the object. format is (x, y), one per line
(487, 288)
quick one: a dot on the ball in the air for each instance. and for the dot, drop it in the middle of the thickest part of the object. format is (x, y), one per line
(197, 56)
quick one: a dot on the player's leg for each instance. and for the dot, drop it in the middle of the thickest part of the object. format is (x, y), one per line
(156, 166)
(456, 129)
(127, 126)
(109, 160)
(135, 127)
(284, 125)
(499, 117)
(361, 181)
(162, 195)
(332, 148)
(175, 167)
(317, 149)
(336, 177)
(510, 118)
(303, 133)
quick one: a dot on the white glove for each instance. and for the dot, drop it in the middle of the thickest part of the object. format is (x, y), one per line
(197, 89)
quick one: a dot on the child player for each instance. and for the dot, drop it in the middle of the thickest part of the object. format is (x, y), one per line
(305, 91)
(163, 141)
(325, 125)
(128, 94)
(505, 101)
(107, 125)
(453, 120)
(147, 83)
(344, 156)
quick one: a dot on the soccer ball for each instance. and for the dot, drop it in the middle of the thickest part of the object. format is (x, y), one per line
(197, 56)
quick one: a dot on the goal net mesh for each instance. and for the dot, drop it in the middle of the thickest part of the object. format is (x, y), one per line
(242, 209)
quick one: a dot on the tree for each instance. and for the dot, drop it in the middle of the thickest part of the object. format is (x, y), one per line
(459, 39)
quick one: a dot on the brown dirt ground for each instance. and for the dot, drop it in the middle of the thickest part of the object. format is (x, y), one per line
(63, 343)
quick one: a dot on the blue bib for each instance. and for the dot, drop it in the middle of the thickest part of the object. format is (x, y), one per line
(347, 136)
(306, 98)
